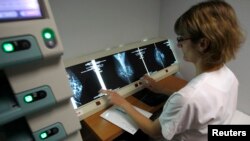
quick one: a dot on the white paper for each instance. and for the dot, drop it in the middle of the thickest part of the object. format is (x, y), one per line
(116, 116)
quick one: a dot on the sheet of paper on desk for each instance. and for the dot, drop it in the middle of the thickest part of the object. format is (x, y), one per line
(121, 119)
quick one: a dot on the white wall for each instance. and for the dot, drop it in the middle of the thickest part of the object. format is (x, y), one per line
(171, 10)
(87, 26)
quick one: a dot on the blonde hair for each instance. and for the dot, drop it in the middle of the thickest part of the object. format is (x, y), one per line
(217, 22)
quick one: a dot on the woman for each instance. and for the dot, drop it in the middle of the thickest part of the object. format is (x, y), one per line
(209, 36)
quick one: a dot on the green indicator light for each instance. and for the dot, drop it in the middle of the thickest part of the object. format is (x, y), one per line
(8, 47)
(43, 135)
(28, 98)
(48, 34)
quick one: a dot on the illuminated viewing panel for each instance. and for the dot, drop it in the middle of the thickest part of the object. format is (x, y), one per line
(84, 82)
(117, 70)
(12, 10)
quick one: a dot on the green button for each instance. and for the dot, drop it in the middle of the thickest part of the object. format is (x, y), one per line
(48, 34)
(8, 47)
(43, 135)
(28, 98)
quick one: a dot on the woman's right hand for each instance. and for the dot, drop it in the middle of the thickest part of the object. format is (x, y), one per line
(115, 98)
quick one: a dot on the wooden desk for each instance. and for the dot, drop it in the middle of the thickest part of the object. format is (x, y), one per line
(106, 131)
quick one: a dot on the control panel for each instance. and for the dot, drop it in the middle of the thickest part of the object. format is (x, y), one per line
(35, 93)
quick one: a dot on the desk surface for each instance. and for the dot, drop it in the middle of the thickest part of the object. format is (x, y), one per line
(106, 131)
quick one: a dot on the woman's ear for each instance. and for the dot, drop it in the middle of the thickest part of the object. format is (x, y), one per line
(203, 45)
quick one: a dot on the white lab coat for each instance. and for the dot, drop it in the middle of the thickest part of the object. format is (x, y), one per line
(209, 98)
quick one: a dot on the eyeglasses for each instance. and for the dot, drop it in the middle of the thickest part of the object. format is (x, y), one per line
(180, 39)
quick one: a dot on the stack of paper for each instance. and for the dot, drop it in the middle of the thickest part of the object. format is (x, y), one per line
(118, 117)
